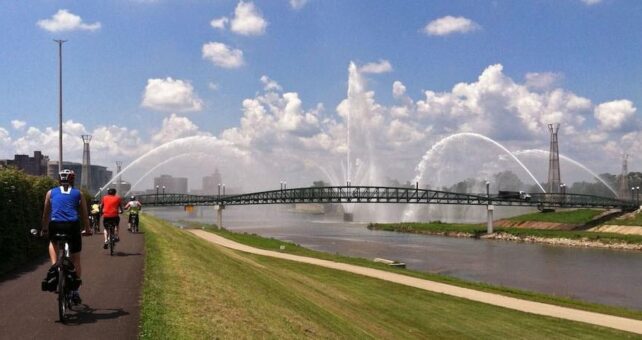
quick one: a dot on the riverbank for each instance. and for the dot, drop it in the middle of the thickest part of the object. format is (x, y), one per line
(194, 289)
(568, 238)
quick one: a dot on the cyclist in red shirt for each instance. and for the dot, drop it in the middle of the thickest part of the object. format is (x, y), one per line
(111, 206)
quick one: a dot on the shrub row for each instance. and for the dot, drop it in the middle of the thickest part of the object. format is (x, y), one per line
(21, 205)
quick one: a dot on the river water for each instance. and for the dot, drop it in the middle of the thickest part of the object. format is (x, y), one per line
(594, 275)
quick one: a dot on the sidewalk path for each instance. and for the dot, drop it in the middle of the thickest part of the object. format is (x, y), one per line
(110, 292)
(620, 323)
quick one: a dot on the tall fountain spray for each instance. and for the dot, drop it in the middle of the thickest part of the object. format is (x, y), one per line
(544, 154)
(410, 212)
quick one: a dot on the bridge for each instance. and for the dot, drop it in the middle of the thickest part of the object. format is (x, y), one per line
(388, 195)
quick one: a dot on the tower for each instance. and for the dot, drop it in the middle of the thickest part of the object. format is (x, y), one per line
(119, 164)
(85, 180)
(554, 179)
(623, 180)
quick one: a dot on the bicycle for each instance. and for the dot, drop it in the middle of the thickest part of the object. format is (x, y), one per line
(64, 280)
(111, 237)
(94, 222)
(133, 220)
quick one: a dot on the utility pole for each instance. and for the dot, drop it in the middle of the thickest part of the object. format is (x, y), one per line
(60, 42)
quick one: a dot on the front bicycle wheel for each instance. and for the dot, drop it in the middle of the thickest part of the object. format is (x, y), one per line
(62, 296)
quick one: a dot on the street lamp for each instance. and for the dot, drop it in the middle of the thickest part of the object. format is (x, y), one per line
(219, 190)
(223, 189)
(163, 191)
(637, 195)
(632, 193)
(157, 193)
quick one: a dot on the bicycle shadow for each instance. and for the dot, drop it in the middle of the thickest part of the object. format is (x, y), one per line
(120, 253)
(84, 314)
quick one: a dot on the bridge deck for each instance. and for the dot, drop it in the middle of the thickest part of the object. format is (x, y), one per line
(372, 194)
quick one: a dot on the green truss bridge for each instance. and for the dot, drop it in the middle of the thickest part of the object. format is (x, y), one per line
(374, 194)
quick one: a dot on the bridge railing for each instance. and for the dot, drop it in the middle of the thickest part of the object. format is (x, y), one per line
(373, 194)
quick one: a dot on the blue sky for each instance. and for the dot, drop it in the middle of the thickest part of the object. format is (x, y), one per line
(586, 49)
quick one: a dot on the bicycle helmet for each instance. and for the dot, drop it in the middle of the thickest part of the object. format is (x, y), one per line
(67, 176)
(111, 191)
(133, 198)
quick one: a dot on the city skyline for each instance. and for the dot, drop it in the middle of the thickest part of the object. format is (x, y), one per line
(272, 78)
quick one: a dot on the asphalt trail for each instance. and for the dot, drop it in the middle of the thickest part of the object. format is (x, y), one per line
(111, 293)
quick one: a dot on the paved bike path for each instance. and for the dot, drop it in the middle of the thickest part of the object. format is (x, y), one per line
(110, 292)
(621, 323)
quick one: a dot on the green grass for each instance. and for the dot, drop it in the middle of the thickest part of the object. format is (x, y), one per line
(291, 248)
(196, 290)
(476, 230)
(579, 216)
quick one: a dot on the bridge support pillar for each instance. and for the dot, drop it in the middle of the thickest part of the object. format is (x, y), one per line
(489, 224)
(219, 216)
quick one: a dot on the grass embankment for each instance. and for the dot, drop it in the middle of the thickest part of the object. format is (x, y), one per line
(579, 216)
(257, 241)
(194, 289)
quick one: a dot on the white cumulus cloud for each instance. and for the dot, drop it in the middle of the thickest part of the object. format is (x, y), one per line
(175, 127)
(449, 25)
(248, 20)
(219, 23)
(18, 124)
(591, 2)
(614, 114)
(222, 55)
(298, 4)
(64, 20)
(382, 66)
(169, 94)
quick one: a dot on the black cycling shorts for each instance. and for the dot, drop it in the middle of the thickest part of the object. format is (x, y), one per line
(70, 228)
(113, 220)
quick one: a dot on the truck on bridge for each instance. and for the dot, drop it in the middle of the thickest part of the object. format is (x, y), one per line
(522, 195)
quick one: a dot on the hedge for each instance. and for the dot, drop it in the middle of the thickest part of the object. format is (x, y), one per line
(21, 204)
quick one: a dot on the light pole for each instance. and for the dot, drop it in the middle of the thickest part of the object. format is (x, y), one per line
(157, 187)
(632, 193)
(163, 191)
(219, 190)
(60, 42)
(489, 209)
(223, 189)
(638, 195)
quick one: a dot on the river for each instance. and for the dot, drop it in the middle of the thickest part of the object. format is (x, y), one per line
(594, 275)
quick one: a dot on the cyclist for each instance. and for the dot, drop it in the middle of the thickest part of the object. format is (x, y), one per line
(110, 208)
(94, 210)
(64, 211)
(134, 207)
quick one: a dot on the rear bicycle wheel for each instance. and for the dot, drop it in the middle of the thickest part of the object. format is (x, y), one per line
(111, 241)
(62, 296)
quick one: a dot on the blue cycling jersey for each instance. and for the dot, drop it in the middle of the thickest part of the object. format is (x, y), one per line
(64, 204)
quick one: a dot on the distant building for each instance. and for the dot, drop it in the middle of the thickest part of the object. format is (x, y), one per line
(99, 174)
(35, 166)
(173, 185)
(210, 183)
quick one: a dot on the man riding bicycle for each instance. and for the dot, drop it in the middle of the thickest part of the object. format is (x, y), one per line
(111, 207)
(64, 211)
(133, 207)
(94, 211)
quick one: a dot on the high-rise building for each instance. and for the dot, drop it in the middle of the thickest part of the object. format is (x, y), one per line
(35, 166)
(170, 184)
(210, 183)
